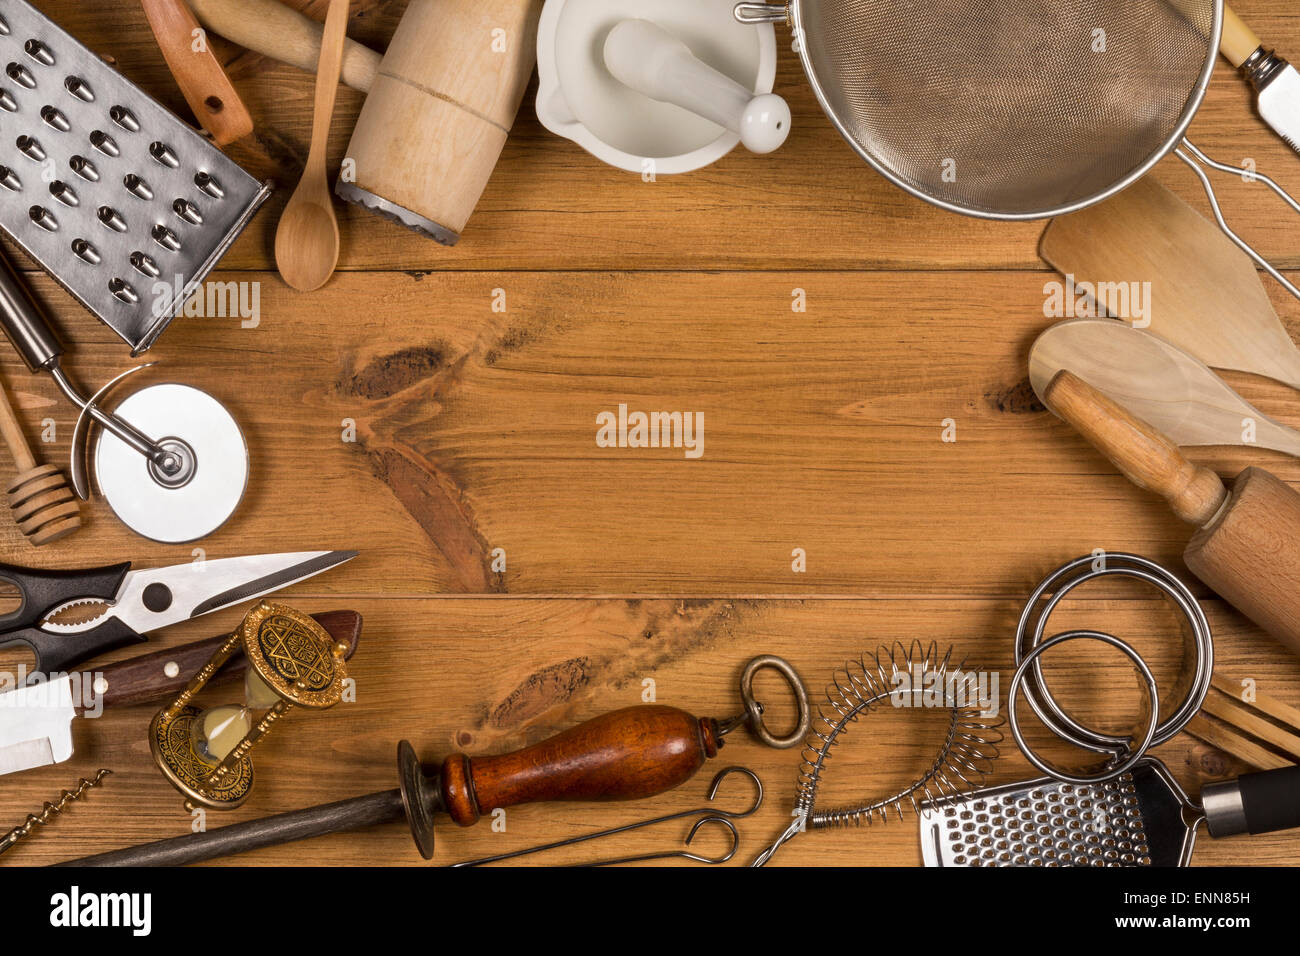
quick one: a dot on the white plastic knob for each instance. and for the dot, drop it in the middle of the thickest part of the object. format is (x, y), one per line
(650, 60)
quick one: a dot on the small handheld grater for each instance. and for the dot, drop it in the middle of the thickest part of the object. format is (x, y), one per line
(1142, 818)
(126, 206)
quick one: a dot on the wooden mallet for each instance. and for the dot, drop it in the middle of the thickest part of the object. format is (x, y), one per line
(1247, 543)
(43, 504)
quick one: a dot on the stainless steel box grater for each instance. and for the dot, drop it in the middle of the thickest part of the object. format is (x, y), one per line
(118, 199)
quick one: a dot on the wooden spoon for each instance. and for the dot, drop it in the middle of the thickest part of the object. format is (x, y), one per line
(307, 239)
(1206, 295)
(1157, 382)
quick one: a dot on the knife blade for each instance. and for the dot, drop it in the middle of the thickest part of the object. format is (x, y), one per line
(36, 720)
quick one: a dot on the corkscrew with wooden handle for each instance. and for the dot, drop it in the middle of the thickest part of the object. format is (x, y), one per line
(628, 754)
(1247, 543)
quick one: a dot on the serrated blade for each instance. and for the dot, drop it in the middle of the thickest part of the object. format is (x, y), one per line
(1279, 105)
(36, 725)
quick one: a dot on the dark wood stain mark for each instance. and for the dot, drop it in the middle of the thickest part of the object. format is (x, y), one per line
(1019, 399)
(512, 341)
(543, 689)
(440, 509)
(389, 374)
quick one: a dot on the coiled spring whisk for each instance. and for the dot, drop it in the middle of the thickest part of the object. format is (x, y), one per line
(915, 675)
(50, 810)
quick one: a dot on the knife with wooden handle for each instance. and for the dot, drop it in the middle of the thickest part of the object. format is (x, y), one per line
(198, 73)
(36, 720)
(1276, 82)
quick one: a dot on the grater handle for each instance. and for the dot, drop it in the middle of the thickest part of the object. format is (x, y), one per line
(1253, 803)
(24, 322)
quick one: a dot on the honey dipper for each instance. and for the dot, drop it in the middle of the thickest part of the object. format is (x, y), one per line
(43, 504)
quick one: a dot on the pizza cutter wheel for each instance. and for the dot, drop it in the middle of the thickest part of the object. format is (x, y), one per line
(181, 503)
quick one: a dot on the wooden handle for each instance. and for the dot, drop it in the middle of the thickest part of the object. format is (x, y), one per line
(1238, 41)
(327, 86)
(635, 752)
(150, 677)
(270, 28)
(12, 430)
(1146, 457)
(198, 73)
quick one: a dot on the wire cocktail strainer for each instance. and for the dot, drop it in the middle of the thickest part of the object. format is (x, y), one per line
(1012, 110)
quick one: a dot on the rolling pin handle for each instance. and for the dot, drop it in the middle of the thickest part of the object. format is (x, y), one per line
(1145, 456)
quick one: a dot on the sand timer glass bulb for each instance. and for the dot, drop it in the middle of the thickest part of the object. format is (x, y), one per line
(218, 730)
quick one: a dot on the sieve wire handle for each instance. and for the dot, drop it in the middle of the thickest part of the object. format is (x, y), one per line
(1197, 160)
(762, 12)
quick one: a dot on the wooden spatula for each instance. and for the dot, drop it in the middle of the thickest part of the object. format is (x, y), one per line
(1206, 296)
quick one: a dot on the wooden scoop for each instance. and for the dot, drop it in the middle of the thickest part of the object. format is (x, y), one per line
(1158, 382)
(1247, 546)
(307, 239)
(1206, 296)
(42, 503)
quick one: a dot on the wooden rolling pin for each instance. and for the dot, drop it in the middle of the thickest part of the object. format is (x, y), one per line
(1247, 543)
(272, 29)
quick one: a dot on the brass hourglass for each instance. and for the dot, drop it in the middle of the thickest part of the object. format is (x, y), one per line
(292, 662)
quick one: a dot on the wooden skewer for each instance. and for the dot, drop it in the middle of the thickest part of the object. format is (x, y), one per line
(1264, 733)
(43, 504)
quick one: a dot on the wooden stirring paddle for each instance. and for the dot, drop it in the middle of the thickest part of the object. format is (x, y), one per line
(1206, 296)
(307, 239)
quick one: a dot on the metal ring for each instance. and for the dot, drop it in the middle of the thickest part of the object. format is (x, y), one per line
(754, 710)
(1110, 771)
(1033, 623)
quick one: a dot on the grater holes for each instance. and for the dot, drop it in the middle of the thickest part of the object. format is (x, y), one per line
(104, 143)
(124, 118)
(9, 179)
(84, 168)
(79, 88)
(111, 218)
(64, 193)
(145, 265)
(30, 147)
(39, 52)
(85, 250)
(163, 154)
(21, 75)
(165, 238)
(43, 218)
(7, 101)
(137, 187)
(188, 211)
(55, 119)
(208, 184)
(123, 291)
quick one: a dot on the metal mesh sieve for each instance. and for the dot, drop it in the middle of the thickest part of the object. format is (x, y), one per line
(1009, 110)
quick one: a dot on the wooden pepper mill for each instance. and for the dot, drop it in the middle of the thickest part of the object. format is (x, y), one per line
(1247, 543)
(439, 111)
(43, 504)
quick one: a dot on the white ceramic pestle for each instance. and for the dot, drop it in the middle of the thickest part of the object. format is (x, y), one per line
(650, 60)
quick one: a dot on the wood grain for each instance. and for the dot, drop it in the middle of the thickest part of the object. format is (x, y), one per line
(475, 430)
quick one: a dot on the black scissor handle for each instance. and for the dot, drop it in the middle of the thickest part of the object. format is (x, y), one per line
(41, 591)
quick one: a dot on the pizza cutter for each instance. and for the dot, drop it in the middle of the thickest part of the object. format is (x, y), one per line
(170, 460)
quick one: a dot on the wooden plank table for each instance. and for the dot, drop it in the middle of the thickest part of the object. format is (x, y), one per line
(474, 430)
